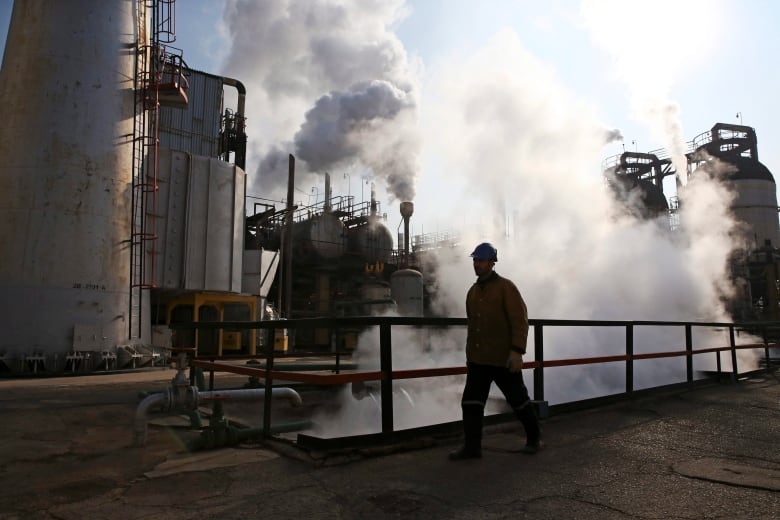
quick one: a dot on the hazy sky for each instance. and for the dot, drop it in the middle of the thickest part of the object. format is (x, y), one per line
(710, 60)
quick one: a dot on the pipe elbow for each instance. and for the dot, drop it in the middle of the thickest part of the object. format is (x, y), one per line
(158, 400)
(293, 397)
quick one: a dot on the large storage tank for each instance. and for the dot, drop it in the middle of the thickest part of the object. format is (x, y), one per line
(372, 241)
(322, 237)
(407, 290)
(730, 152)
(755, 199)
(67, 86)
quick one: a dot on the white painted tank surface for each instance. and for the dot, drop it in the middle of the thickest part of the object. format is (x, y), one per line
(66, 86)
(755, 201)
(407, 289)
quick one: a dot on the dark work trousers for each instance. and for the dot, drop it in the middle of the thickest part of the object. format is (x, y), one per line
(475, 395)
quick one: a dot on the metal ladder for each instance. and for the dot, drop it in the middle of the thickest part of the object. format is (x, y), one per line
(148, 70)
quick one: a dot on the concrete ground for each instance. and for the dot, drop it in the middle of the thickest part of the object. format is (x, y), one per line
(66, 452)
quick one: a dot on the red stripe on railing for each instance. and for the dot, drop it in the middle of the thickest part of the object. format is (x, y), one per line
(376, 375)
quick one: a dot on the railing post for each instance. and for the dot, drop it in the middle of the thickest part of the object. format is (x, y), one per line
(733, 343)
(718, 367)
(766, 349)
(689, 352)
(269, 385)
(386, 367)
(539, 358)
(630, 360)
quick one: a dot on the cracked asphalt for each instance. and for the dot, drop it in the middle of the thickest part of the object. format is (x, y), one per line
(711, 452)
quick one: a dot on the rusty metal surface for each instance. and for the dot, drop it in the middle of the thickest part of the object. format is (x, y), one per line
(66, 143)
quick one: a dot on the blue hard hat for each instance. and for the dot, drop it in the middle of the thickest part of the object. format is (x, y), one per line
(485, 251)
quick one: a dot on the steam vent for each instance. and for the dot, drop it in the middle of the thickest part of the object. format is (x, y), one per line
(729, 153)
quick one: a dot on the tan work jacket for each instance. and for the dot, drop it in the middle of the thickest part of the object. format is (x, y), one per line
(497, 319)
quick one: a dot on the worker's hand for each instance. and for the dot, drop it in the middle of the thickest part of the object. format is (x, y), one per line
(515, 361)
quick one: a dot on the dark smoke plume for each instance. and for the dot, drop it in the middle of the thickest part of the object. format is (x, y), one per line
(366, 124)
(612, 136)
(300, 57)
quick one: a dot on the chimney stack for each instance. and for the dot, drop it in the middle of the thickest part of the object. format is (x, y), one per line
(407, 209)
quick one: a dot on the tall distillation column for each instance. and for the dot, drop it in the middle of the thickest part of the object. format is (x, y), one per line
(67, 85)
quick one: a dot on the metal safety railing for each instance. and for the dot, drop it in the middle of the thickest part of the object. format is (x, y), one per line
(386, 375)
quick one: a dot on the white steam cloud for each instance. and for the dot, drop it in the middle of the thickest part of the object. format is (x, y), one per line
(653, 44)
(325, 73)
(517, 163)
(521, 155)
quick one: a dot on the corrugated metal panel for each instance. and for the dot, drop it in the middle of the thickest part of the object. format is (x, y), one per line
(173, 171)
(259, 268)
(194, 129)
(199, 223)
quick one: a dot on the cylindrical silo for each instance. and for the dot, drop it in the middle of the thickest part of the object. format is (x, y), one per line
(755, 199)
(407, 289)
(65, 178)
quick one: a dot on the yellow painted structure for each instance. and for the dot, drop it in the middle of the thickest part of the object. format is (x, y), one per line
(203, 306)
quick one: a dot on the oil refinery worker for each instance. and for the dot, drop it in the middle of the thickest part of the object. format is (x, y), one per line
(497, 335)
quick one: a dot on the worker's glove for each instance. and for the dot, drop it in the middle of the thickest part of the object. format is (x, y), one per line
(515, 361)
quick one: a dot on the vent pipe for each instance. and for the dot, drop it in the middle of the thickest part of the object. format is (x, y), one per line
(240, 145)
(327, 206)
(287, 241)
(407, 209)
(373, 200)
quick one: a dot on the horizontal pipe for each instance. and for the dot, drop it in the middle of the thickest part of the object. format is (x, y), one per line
(190, 400)
(252, 394)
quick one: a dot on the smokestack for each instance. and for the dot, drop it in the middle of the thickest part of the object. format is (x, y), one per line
(287, 242)
(373, 200)
(327, 192)
(407, 209)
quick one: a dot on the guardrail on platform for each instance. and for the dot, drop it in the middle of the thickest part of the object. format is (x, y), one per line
(386, 375)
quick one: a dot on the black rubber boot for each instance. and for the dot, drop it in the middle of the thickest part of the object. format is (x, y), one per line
(532, 448)
(527, 416)
(465, 453)
(472, 433)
